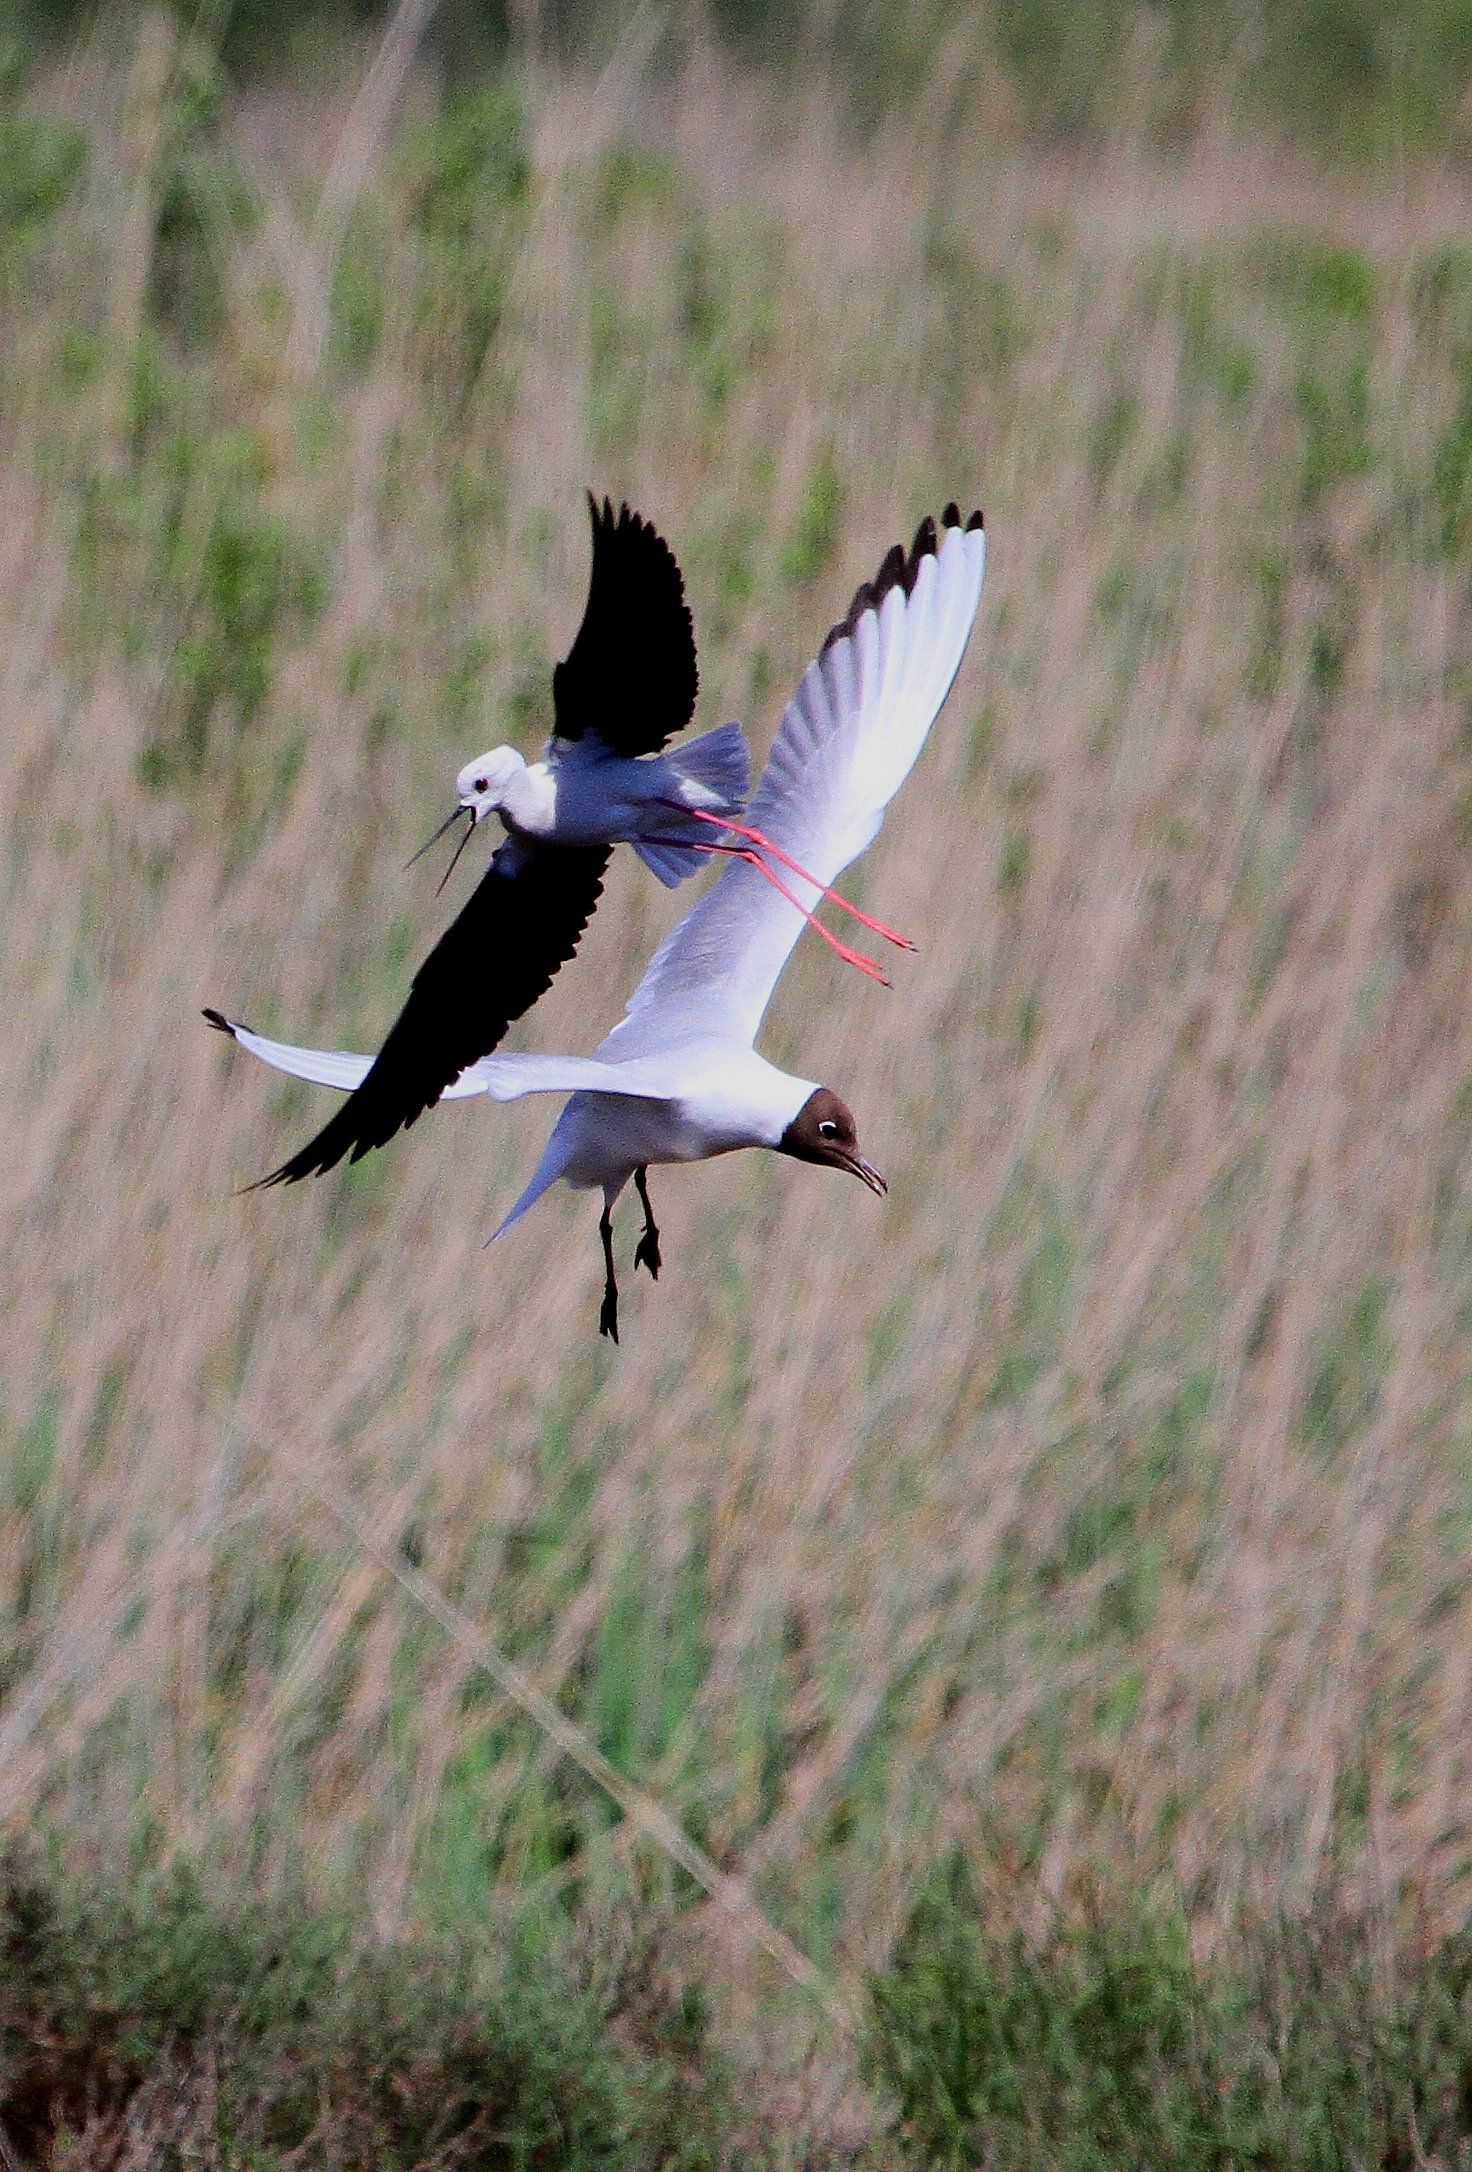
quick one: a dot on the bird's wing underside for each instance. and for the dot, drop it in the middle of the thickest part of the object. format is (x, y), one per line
(504, 1078)
(491, 964)
(629, 678)
(850, 735)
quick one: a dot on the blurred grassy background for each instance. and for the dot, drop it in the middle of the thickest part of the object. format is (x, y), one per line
(1353, 78)
(1099, 1508)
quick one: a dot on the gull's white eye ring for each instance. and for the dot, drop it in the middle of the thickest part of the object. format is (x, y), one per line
(827, 1129)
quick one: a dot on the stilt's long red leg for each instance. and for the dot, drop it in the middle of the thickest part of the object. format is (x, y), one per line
(755, 837)
(745, 852)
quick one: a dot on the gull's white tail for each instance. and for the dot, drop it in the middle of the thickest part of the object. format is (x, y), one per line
(555, 1157)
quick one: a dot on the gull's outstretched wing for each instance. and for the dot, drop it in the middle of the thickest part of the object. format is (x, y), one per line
(504, 1078)
(848, 740)
(490, 965)
(629, 678)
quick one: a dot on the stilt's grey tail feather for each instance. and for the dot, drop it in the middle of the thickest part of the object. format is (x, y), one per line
(720, 761)
(721, 765)
(673, 864)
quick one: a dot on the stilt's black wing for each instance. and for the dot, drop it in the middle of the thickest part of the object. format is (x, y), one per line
(489, 967)
(630, 677)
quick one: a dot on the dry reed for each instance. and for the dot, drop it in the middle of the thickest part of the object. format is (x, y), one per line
(1101, 1503)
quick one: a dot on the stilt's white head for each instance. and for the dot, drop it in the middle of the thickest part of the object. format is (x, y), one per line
(482, 785)
(481, 789)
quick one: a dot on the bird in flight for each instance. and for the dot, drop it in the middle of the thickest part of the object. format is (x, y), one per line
(679, 1078)
(625, 687)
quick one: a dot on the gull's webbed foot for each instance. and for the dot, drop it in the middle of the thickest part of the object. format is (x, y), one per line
(647, 1252)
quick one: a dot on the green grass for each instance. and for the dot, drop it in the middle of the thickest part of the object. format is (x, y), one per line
(1104, 2043)
(141, 2017)
(152, 2018)
(1361, 84)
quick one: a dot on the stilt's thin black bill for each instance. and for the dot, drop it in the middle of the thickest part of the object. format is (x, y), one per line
(453, 816)
(455, 857)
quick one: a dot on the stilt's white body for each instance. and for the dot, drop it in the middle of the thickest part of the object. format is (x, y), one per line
(581, 794)
(678, 1078)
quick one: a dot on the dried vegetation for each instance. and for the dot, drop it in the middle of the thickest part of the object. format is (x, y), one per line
(1100, 1507)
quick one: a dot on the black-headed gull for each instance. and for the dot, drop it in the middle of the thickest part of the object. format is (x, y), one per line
(679, 1079)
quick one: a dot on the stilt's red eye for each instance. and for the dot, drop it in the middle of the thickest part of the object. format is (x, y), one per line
(482, 784)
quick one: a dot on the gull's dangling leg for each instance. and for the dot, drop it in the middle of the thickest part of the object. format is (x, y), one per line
(608, 1317)
(647, 1254)
(757, 837)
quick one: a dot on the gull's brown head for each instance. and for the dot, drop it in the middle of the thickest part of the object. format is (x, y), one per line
(824, 1130)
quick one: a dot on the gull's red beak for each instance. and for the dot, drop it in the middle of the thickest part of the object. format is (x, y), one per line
(869, 1175)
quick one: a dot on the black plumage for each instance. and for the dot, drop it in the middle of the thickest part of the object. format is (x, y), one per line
(489, 967)
(630, 676)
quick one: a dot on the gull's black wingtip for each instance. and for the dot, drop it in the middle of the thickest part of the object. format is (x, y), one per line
(900, 569)
(290, 1172)
(221, 1024)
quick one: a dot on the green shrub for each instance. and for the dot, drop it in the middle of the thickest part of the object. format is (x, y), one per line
(1107, 2045)
(256, 2036)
